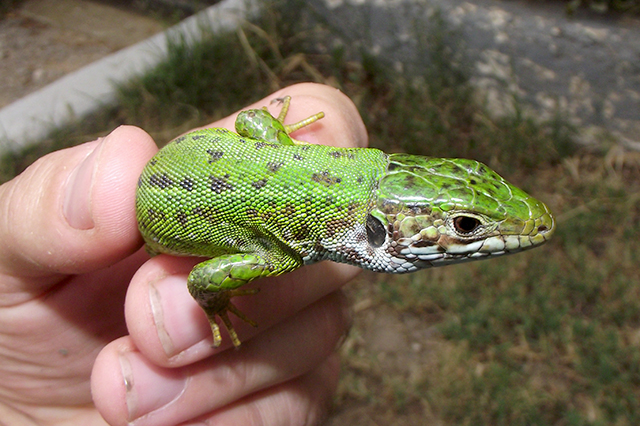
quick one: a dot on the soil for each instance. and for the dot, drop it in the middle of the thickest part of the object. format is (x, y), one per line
(43, 40)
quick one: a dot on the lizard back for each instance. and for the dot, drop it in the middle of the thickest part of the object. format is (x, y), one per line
(213, 192)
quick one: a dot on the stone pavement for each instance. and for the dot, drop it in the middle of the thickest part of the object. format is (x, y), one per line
(586, 65)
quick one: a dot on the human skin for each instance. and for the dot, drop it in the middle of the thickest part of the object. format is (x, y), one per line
(94, 332)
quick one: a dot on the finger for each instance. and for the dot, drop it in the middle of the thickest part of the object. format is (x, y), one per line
(73, 210)
(169, 327)
(152, 395)
(342, 125)
(303, 401)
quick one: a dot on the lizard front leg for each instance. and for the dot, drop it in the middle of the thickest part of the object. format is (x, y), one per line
(260, 124)
(214, 282)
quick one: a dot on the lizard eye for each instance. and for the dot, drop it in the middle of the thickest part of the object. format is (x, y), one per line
(466, 225)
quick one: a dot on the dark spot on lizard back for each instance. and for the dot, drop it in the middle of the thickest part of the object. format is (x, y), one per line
(161, 181)
(196, 137)
(325, 178)
(341, 154)
(182, 217)
(179, 139)
(206, 213)
(153, 161)
(155, 216)
(219, 185)
(187, 184)
(259, 145)
(259, 184)
(215, 155)
(298, 157)
(274, 166)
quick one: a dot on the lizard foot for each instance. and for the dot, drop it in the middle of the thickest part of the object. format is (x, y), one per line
(221, 309)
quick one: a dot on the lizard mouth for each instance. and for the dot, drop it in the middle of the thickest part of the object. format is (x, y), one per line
(461, 239)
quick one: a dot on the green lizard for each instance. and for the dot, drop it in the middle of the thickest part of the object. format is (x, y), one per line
(259, 203)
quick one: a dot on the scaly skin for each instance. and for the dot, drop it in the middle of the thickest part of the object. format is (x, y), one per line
(259, 203)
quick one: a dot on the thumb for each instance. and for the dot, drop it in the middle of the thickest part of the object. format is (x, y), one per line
(73, 210)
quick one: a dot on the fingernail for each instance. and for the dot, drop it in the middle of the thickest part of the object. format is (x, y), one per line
(77, 200)
(148, 387)
(176, 315)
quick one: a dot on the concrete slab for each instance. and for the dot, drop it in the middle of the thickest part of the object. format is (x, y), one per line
(80, 92)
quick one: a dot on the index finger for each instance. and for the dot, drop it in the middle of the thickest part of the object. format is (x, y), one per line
(342, 125)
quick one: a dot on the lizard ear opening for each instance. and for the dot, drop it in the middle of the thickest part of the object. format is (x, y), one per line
(376, 233)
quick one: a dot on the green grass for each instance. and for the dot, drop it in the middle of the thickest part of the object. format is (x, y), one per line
(6, 6)
(631, 7)
(547, 337)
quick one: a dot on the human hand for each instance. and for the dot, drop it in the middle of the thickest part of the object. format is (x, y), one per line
(70, 260)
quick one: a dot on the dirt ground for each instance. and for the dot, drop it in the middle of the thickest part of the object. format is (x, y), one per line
(45, 39)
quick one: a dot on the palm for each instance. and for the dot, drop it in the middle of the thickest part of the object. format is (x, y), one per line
(51, 339)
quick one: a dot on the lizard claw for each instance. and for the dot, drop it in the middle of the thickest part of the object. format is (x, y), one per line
(224, 316)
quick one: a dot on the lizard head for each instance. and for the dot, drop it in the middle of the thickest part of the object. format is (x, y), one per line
(432, 211)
